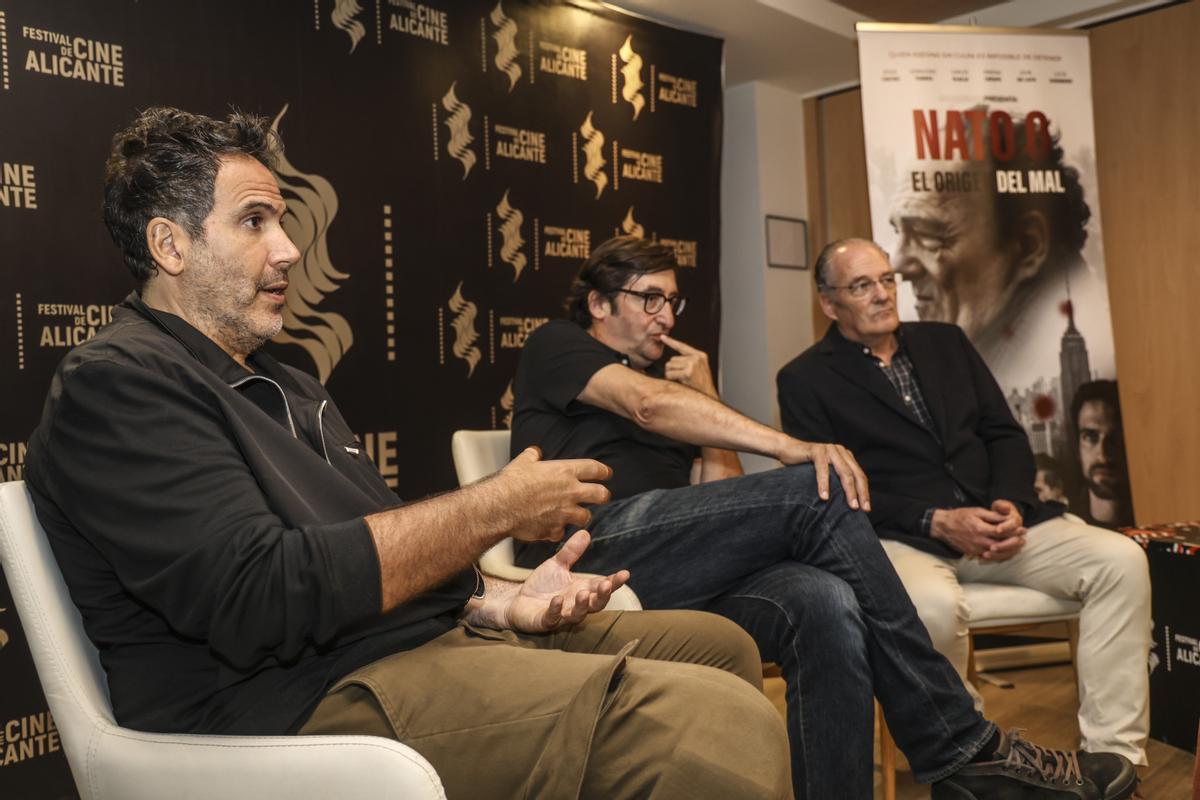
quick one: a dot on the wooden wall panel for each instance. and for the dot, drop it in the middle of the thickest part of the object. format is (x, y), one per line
(841, 171)
(848, 204)
(1147, 114)
(814, 167)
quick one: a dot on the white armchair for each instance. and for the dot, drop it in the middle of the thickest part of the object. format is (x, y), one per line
(478, 454)
(109, 761)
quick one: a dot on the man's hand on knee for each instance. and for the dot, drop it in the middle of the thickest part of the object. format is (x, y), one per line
(831, 456)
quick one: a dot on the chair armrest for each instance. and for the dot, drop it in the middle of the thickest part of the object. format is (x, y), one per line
(505, 572)
(133, 765)
(624, 599)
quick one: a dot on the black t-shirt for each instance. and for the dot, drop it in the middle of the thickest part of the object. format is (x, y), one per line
(558, 360)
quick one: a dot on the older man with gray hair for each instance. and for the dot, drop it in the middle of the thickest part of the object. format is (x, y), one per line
(952, 487)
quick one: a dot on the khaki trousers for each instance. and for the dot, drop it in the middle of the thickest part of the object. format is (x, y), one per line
(648, 704)
(1063, 557)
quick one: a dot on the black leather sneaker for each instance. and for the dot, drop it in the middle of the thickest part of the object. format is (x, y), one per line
(1025, 771)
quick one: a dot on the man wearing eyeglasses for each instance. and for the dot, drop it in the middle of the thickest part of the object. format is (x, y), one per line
(784, 553)
(952, 487)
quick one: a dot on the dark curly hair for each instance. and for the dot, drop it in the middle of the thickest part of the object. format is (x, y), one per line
(1066, 212)
(614, 265)
(165, 165)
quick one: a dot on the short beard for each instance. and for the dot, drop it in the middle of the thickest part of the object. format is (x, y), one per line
(1106, 491)
(222, 318)
(244, 340)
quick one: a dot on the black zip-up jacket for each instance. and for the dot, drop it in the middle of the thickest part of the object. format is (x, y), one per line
(209, 524)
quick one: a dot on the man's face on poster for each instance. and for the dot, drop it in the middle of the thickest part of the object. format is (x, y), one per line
(1101, 449)
(1048, 487)
(948, 251)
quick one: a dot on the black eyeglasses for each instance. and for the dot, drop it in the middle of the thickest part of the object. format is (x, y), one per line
(653, 302)
(863, 285)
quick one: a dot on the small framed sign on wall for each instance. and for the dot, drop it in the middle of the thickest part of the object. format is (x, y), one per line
(787, 242)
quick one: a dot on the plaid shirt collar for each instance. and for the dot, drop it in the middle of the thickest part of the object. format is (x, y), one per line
(902, 376)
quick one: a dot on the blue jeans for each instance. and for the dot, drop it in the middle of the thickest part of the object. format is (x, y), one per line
(810, 582)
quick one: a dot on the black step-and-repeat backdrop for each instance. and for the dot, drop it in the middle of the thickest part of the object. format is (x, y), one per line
(449, 164)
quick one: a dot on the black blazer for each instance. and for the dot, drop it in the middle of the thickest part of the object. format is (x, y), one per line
(833, 393)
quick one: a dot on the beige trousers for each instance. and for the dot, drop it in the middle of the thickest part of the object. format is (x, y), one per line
(649, 704)
(1063, 557)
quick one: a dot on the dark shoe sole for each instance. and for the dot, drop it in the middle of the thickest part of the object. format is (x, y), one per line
(947, 791)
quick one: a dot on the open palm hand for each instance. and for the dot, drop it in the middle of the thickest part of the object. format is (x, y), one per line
(553, 596)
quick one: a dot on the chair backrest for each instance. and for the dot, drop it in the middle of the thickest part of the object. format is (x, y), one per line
(66, 661)
(108, 761)
(478, 454)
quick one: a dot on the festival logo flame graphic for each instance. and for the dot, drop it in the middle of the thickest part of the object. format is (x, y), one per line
(510, 231)
(311, 206)
(593, 149)
(343, 18)
(506, 402)
(632, 74)
(464, 330)
(506, 47)
(459, 145)
(631, 227)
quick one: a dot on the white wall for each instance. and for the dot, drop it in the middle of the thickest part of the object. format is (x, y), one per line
(765, 312)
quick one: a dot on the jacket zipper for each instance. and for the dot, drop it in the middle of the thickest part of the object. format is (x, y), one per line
(321, 430)
(287, 408)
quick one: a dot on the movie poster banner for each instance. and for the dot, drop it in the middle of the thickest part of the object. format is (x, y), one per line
(982, 175)
(449, 164)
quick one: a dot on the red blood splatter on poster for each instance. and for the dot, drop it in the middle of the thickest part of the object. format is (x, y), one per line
(1044, 406)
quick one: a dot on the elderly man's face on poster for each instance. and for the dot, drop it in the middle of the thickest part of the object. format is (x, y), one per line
(948, 249)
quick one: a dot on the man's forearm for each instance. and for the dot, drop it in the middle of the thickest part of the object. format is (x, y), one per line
(423, 544)
(686, 415)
